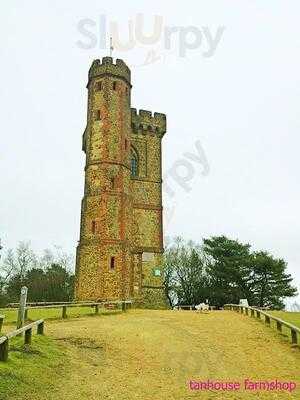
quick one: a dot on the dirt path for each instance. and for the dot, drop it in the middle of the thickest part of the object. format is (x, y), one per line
(152, 355)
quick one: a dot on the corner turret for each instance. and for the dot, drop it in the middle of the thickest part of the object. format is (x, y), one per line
(107, 67)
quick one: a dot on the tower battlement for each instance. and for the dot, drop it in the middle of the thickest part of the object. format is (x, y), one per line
(146, 122)
(107, 67)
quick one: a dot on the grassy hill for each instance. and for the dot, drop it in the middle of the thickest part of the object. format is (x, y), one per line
(145, 354)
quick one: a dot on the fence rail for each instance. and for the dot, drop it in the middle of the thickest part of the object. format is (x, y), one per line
(124, 305)
(45, 303)
(295, 331)
(4, 340)
(190, 307)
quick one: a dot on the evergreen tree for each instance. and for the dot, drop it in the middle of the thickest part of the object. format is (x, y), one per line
(271, 281)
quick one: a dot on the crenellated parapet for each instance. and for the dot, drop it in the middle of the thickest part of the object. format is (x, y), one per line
(107, 67)
(144, 122)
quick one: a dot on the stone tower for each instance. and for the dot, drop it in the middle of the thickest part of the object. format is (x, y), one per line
(121, 244)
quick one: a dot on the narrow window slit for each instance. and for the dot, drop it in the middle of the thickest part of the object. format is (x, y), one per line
(112, 263)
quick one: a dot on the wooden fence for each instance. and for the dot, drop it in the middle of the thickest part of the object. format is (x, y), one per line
(184, 307)
(4, 340)
(256, 312)
(43, 303)
(124, 305)
(190, 307)
(111, 304)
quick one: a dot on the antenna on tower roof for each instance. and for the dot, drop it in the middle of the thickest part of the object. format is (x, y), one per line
(111, 47)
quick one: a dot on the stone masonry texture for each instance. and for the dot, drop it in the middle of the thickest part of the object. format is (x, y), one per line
(119, 254)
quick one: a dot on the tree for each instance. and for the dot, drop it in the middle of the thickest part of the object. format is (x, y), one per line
(185, 279)
(59, 284)
(8, 266)
(271, 282)
(25, 259)
(37, 284)
(15, 267)
(235, 272)
(229, 270)
(48, 278)
(56, 256)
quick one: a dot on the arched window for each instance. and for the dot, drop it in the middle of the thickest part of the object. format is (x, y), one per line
(134, 164)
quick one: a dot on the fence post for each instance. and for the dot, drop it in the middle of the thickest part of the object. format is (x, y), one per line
(267, 320)
(123, 306)
(279, 326)
(64, 312)
(26, 314)
(294, 336)
(21, 313)
(252, 313)
(4, 351)
(1, 321)
(258, 314)
(96, 309)
(28, 335)
(40, 328)
(247, 311)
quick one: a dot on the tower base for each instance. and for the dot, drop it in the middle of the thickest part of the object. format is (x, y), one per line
(152, 298)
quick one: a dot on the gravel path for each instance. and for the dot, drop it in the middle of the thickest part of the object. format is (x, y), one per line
(152, 355)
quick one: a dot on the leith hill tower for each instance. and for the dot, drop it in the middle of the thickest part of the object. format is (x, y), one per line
(119, 254)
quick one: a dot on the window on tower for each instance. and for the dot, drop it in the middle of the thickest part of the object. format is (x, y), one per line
(114, 85)
(98, 115)
(93, 227)
(112, 263)
(134, 166)
(99, 86)
(112, 183)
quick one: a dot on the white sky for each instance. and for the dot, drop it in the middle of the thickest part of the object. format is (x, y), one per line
(241, 104)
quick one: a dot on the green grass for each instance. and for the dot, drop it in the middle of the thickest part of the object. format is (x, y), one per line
(31, 370)
(49, 313)
(291, 317)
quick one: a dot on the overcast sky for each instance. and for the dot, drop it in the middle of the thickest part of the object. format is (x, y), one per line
(228, 80)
